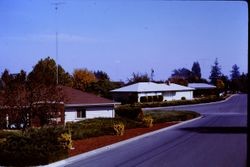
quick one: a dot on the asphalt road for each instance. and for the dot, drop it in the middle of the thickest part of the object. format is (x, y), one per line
(218, 139)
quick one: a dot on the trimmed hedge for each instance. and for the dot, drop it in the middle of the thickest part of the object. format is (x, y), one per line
(100, 126)
(169, 116)
(33, 147)
(179, 102)
(145, 99)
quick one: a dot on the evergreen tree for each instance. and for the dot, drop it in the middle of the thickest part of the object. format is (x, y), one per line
(196, 70)
(235, 73)
(215, 72)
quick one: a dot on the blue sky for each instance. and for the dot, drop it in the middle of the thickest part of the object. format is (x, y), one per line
(122, 37)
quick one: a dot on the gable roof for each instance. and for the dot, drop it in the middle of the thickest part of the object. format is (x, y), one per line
(74, 97)
(201, 86)
(152, 87)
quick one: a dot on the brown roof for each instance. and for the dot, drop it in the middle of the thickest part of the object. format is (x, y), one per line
(74, 96)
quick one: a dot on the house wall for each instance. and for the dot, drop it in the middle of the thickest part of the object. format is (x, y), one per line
(177, 95)
(91, 112)
(148, 94)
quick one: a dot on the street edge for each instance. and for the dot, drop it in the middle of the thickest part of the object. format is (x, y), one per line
(115, 145)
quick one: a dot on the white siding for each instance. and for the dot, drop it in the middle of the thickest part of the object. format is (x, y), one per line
(93, 112)
(177, 95)
(70, 115)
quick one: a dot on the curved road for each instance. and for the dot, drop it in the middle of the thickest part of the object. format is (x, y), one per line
(218, 139)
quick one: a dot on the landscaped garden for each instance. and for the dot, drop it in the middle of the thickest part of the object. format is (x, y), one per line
(40, 146)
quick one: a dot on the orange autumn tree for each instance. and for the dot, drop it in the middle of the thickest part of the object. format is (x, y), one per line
(83, 78)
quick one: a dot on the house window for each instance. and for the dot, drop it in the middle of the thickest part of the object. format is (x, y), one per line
(81, 113)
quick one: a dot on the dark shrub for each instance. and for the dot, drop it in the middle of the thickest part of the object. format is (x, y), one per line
(150, 98)
(32, 148)
(183, 98)
(128, 111)
(144, 99)
(155, 98)
(160, 98)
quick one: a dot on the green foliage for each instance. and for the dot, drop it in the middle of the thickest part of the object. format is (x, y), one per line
(215, 72)
(100, 126)
(196, 70)
(33, 147)
(128, 111)
(235, 73)
(92, 128)
(138, 77)
(207, 99)
(119, 128)
(160, 116)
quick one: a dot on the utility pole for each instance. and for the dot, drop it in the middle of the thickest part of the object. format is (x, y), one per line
(57, 4)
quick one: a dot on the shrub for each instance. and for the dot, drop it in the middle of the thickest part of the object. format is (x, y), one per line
(155, 98)
(144, 99)
(33, 147)
(150, 98)
(65, 140)
(169, 116)
(92, 128)
(147, 121)
(119, 128)
(160, 98)
(128, 111)
(183, 98)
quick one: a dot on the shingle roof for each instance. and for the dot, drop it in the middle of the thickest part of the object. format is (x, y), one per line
(201, 86)
(152, 87)
(78, 97)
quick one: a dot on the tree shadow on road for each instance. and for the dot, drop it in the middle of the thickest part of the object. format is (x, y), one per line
(224, 130)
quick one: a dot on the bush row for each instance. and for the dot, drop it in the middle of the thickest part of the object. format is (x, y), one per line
(101, 126)
(179, 102)
(34, 147)
(168, 116)
(158, 98)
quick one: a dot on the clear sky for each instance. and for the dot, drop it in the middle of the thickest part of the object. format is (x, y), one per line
(122, 37)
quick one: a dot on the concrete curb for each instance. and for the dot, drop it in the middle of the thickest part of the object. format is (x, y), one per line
(189, 105)
(112, 146)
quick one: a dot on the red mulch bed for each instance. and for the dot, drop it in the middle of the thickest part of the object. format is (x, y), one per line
(85, 145)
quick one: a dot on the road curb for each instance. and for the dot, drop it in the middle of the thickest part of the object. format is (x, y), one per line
(112, 146)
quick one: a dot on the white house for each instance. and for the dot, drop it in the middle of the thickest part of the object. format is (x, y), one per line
(79, 105)
(169, 91)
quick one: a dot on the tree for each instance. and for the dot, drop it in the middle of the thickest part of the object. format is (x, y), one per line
(102, 86)
(101, 75)
(152, 74)
(215, 72)
(240, 83)
(226, 82)
(220, 85)
(82, 79)
(64, 78)
(179, 81)
(25, 101)
(45, 72)
(196, 70)
(138, 77)
(235, 73)
(183, 73)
